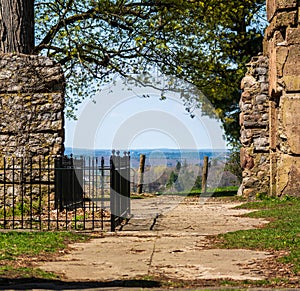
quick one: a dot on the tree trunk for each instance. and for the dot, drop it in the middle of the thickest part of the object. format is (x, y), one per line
(17, 26)
(204, 175)
(141, 174)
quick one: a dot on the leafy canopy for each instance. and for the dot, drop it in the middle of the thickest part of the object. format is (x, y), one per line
(205, 42)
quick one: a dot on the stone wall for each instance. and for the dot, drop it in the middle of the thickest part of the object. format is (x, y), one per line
(31, 129)
(31, 106)
(279, 139)
(254, 121)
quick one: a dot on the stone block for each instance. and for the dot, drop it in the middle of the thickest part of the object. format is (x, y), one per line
(273, 117)
(293, 35)
(272, 69)
(281, 56)
(292, 83)
(291, 71)
(246, 96)
(261, 98)
(26, 73)
(251, 192)
(290, 121)
(261, 144)
(274, 6)
(246, 106)
(264, 87)
(247, 162)
(284, 19)
(288, 176)
(248, 82)
(291, 67)
(241, 119)
(246, 136)
(261, 71)
(251, 182)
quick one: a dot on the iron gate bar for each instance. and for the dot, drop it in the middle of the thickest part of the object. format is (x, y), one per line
(32, 191)
(49, 189)
(22, 190)
(102, 188)
(120, 192)
(112, 194)
(4, 186)
(13, 181)
(40, 193)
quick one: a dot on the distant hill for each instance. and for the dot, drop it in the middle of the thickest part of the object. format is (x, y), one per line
(168, 157)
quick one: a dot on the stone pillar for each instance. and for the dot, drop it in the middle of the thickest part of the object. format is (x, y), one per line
(282, 47)
(270, 116)
(31, 106)
(254, 121)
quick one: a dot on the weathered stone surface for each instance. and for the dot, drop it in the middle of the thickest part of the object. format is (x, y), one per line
(291, 71)
(272, 53)
(288, 173)
(260, 99)
(261, 144)
(254, 120)
(250, 192)
(32, 122)
(31, 106)
(280, 21)
(290, 118)
(250, 182)
(248, 82)
(291, 66)
(273, 113)
(281, 56)
(247, 162)
(275, 146)
(246, 96)
(292, 83)
(29, 73)
(274, 6)
(293, 35)
(246, 136)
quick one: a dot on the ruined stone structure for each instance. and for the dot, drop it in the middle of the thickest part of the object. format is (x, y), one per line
(31, 129)
(270, 107)
(31, 106)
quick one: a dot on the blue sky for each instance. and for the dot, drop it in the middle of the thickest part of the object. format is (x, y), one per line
(121, 118)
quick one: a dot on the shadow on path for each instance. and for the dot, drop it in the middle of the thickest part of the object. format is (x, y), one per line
(43, 284)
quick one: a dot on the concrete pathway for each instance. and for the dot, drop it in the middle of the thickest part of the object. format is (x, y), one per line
(167, 237)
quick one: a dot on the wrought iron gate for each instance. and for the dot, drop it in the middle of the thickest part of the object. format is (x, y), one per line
(68, 183)
(119, 188)
(64, 193)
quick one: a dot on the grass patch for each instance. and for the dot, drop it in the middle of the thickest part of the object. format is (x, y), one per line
(228, 191)
(18, 251)
(25, 272)
(14, 244)
(281, 234)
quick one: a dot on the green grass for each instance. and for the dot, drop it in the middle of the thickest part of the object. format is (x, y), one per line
(281, 234)
(14, 244)
(25, 272)
(216, 192)
(211, 192)
(18, 249)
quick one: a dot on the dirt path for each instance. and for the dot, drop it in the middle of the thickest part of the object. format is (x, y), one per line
(175, 248)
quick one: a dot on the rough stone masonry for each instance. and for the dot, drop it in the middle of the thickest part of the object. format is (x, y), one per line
(270, 107)
(32, 126)
(31, 106)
